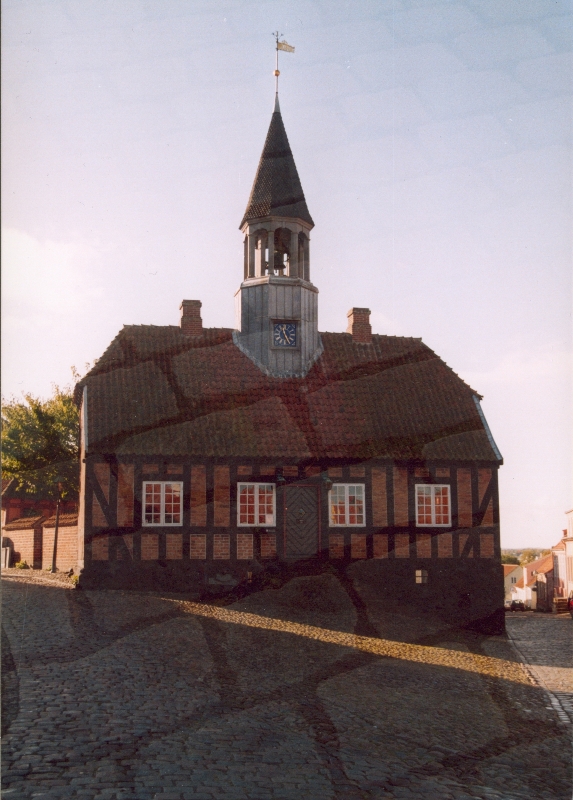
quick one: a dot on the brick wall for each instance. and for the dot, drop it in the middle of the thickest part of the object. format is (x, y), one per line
(484, 477)
(198, 546)
(191, 322)
(244, 546)
(198, 496)
(423, 545)
(149, 546)
(26, 546)
(336, 545)
(379, 498)
(125, 474)
(268, 545)
(359, 325)
(124, 547)
(66, 549)
(402, 545)
(401, 517)
(445, 548)
(486, 545)
(222, 497)
(380, 545)
(465, 518)
(221, 546)
(102, 476)
(173, 546)
(100, 547)
(358, 545)
(466, 539)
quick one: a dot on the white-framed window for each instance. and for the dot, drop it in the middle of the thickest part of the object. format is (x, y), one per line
(346, 504)
(256, 504)
(162, 503)
(433, 505)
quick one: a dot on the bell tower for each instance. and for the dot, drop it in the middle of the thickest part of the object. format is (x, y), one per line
(277, 304)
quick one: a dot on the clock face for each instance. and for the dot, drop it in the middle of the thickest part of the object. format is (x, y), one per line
(284, 334)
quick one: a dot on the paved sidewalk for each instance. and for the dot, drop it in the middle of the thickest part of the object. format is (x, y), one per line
(310, 689)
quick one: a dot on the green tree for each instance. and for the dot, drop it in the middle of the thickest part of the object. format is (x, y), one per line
(530, 554)
(508, 558)
(40, 444)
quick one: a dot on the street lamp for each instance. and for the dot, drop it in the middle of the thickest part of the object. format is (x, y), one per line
(55, 548)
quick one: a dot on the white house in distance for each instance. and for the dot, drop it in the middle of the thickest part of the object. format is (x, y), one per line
(511, 574)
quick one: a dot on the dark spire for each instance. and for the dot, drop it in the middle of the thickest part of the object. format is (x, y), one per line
(277, 190)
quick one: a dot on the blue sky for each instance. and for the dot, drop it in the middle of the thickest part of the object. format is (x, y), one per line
(433, 141)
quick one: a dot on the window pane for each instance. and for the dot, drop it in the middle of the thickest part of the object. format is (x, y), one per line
(424, 504)
(356, 505)
(266, 504)
(152, 512)
(247, 504)
(442, 507)
(172, 503)
(337, 505)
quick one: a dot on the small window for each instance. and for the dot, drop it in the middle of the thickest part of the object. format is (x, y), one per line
(514, 580)
(432, 505)
(346, 502)
(421, 576)
(256, 504)
(162, 503)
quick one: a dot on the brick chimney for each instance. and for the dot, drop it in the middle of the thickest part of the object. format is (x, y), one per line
(359, 325)
(191, 322)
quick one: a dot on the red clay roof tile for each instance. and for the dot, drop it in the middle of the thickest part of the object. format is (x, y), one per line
(158, 391)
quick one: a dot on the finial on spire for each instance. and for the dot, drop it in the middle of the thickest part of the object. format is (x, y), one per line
(282, 45)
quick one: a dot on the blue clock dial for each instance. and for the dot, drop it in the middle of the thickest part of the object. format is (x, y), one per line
(284, 334)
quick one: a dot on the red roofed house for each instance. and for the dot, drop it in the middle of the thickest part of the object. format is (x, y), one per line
(211, 453)
(535, 589)
(511, 575)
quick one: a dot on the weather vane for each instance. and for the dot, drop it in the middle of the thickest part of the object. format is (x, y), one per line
(280, 46)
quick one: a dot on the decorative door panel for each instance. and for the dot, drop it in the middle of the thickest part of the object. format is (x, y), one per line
(301, 521)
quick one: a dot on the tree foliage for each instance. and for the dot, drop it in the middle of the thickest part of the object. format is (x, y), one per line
(530, 554)
(507, 558)
(40, 444)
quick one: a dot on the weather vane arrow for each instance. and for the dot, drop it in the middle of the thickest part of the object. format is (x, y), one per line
(280, 45)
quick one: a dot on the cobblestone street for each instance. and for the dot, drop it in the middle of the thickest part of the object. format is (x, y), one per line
(309, 689)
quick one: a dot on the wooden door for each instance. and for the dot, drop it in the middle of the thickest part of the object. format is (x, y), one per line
(301, 521)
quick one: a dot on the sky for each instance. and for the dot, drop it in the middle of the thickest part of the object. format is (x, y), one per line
(433, 142)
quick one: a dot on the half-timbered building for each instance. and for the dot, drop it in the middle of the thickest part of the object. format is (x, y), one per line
(209, 453)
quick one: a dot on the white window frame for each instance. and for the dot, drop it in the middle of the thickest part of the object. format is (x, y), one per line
(257, 524)
(347, 486)
(433, 487)
(162, 524)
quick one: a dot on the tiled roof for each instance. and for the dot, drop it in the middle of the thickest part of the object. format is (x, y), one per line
(519, 584)
(64, 521)
(24, 523)
(157, 391)
(543, 564)
(508, 568)
(559, 546)
(277, 189)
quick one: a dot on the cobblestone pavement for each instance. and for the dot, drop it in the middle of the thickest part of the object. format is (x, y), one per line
(550, 666)
(310, 689)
